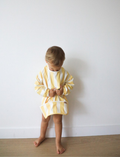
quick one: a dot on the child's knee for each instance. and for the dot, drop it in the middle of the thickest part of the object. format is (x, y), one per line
(45, 120)
(57, 119)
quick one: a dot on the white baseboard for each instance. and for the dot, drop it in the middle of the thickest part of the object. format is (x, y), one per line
(33, 132)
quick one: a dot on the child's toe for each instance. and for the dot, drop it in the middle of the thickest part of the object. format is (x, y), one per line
(62, 151)
(58, 152)
(35, 143)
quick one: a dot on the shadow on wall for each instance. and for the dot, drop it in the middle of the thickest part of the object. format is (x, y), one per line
(78, 69)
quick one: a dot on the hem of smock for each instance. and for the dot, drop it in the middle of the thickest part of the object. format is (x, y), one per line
(60, 113)
(54, 114)
(48, 114)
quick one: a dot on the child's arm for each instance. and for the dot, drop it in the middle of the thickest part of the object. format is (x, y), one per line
(39, 86)
(68, 85)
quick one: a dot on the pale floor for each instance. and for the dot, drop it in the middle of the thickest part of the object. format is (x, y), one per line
(96, 146)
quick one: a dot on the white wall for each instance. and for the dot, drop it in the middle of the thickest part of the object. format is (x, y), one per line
(89, 33)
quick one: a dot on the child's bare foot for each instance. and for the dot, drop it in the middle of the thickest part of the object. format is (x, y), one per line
(60, 149)
(38, 141)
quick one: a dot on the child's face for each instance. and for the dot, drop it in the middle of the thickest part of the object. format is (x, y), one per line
(52, 67)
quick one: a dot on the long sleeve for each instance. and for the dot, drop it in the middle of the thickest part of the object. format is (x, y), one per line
(39, 86)
(68, 85)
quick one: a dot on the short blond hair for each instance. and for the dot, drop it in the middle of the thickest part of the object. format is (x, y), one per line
(55, 55)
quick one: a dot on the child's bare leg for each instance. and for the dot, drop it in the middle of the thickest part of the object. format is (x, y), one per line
(44, 125)
(58, 130)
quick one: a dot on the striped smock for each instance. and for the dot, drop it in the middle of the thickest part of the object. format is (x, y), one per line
(46, 80)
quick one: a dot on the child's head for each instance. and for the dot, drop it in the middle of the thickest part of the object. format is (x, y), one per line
(55, 57)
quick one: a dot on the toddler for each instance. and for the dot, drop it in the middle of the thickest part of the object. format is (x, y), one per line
(54, 83)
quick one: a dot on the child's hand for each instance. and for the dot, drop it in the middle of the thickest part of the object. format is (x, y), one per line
(59, 91)
(52, 92)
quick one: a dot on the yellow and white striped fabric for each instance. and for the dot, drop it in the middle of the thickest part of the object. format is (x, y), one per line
(46, 80)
